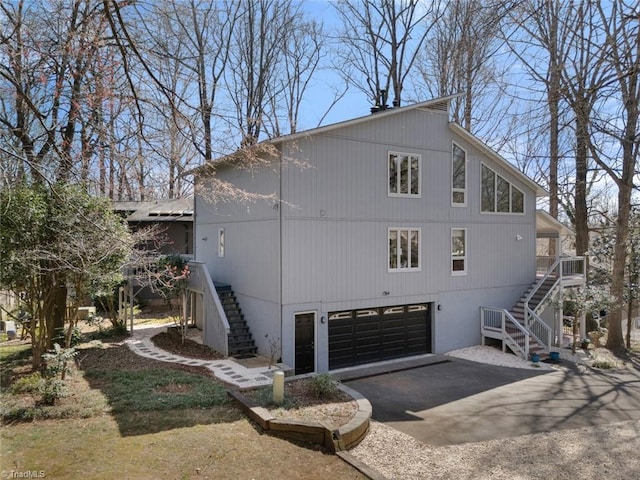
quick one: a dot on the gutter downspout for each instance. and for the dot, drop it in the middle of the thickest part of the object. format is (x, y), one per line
(280, 241)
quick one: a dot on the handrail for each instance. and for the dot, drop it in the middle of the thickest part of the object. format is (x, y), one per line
(541, 282)
(538, 328)
(507, 318)
(216, 325)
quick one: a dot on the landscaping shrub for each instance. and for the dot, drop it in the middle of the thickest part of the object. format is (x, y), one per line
(29, 384)
(323, 385)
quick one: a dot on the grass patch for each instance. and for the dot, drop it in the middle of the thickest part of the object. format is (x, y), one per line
(604, 365)
(159, 389)
(95, 448)
(133, 417)
(14, 353)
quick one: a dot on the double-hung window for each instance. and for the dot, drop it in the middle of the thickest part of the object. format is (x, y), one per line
(458, 176)
(458, 251)
(404, 174)
(404, 249)
(498, 195)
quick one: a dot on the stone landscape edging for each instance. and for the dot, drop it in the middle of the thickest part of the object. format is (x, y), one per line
(342, 438)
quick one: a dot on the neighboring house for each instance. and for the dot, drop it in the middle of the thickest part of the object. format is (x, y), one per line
(174, 221)
(387, 235)
(173, 216)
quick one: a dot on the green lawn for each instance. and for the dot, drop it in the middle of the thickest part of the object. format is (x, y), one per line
(131, 417)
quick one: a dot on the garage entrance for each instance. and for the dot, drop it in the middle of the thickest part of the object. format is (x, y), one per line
(374, 334)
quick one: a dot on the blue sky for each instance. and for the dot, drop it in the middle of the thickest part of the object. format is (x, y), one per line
(319, 96)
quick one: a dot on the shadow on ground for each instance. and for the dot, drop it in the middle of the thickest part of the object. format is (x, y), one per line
(396, 396)
(462, 401)
(146, 396)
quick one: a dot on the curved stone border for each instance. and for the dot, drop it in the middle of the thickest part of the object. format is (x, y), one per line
(343, 438)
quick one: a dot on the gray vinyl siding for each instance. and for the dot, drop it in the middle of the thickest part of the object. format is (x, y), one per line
(251, 263)
(338, 213)
(326, 243)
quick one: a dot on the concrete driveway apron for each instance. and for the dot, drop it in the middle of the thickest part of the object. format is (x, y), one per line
(458, 401)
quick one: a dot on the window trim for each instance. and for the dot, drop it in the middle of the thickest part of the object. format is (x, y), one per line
(221, 242)
(459, 273)
(495, 194)
(404, 195)
(409, 231)
(458, 190)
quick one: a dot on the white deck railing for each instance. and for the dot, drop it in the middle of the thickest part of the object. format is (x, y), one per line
(208, 309)
(573, 266)
(499, 323)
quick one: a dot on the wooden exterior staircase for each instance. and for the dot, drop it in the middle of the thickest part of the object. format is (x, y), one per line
(520, 328)
(240, 341)
(532, 298)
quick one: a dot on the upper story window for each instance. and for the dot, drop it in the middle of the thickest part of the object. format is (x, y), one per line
(458, 251)
(458, 176)
(499, 195)
(404, 249)
(404, 174)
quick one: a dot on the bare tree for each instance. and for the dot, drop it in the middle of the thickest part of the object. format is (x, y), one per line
(47, 57)
(619, 124)
(561, 48)
(301, 57)
(381, 40)
(459, 58)
(257, 60)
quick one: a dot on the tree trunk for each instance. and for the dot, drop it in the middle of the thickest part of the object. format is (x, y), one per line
(59, 313)
(630, 307)
(615, 341)
(581, 211)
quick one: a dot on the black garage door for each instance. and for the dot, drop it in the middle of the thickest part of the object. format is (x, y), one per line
(374, 334)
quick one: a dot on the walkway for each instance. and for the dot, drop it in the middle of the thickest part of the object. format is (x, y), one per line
(227, 370)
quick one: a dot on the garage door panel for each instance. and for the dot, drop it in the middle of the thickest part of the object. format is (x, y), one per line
(364, 327)
(365, 336)
(362, 342)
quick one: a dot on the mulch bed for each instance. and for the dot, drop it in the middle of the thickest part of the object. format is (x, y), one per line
(172, 343)
(119, 356)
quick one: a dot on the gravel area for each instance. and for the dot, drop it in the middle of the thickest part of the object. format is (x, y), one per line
(493, 356)
(604, 452)
(334, 410)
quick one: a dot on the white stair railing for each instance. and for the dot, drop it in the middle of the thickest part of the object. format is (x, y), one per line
(554, 271)
(498, 320)
(215, 331)
(539, 330)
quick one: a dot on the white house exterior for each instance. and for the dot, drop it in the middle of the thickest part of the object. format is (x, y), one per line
(386, 236)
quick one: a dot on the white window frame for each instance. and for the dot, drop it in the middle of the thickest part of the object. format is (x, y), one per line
(398, 176)
(458, 190)
(221, 242)
(398, 231)
(459, 257)
(495, 194)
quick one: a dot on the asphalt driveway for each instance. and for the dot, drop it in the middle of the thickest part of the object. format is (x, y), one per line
(454, 401)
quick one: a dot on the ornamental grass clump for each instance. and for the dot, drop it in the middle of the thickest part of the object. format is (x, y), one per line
(323, 386)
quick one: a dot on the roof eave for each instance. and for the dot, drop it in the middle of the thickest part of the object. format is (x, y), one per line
(356, 121)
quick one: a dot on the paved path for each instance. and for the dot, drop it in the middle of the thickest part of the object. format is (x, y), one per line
(461, 401)
(227, 370)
